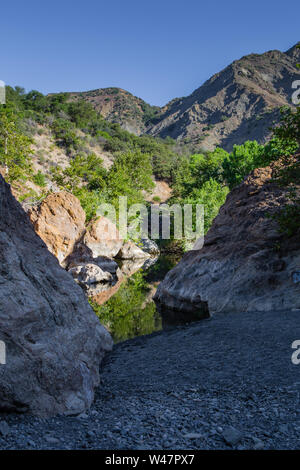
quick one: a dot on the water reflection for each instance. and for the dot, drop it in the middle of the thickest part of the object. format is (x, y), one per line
(127, 308)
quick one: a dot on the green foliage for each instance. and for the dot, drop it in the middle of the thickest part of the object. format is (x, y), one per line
(212, 195)
(241, 161)
(81, 113)
(15, 148)
(130, 175)
(288, 173)
(288, 176)
(39, 179)
(150, 113)
(288, 218)
(245, 158)
(66, 116)
(276, 148)
(65, 134)
(86, 179)
(89, 201)
(199, 180)
(193, 172)
(289, 129)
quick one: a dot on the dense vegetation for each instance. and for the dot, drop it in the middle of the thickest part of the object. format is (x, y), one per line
(14, 147)
(202, 178)
(288, 175)
(76, 128)
(207, 178)
(196, 178)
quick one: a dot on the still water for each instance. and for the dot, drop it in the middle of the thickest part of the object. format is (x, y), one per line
(127, 309)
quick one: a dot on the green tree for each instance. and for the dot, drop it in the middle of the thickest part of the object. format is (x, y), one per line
(15, 148)
(289, 129)
(212, 195)
(241, 161)
(129, 176)
(193, 172)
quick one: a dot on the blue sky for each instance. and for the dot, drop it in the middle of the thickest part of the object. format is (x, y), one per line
(157, 50)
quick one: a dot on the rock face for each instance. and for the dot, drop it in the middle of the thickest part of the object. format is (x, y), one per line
(241, 267)
(118, 105)
(86, 252)
(225, 110)
(60, 222)
(102, 238)
(54, 342)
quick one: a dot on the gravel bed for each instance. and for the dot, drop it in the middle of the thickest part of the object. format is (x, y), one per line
(223, 383)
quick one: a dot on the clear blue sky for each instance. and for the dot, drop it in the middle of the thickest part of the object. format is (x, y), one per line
(156, 49)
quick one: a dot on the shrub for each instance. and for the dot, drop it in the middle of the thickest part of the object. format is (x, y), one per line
(39, 179)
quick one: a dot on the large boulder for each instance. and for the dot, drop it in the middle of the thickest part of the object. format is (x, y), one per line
(60, 221)
(102, 238)
(90, 273)
(54, 342)
(246, 264)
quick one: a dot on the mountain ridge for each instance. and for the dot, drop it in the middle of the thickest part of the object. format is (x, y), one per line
(225, 110)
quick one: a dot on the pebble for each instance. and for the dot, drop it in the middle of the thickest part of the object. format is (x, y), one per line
(232, 435)
(52, 440)
(258, 444)
(4, 428)
(134, 408)
(193, 435)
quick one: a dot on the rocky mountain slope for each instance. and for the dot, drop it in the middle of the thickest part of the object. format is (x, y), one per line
(54, 342)
(246, 264)
(118, 105)
(237, 104)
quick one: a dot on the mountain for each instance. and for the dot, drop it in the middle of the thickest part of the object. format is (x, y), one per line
(118, 105)
(239, 103)
(234, 105)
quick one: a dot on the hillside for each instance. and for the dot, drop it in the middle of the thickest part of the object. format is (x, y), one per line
(237, 104)
(117, 105)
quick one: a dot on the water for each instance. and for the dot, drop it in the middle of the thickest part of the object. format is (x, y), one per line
(127, 309)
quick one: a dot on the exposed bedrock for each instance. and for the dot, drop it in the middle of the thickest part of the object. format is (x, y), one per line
(54, 342)
(246, 264)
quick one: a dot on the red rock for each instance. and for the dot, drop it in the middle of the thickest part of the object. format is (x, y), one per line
(60, 222)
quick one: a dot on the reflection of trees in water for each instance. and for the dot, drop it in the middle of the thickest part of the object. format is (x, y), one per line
(130, 311)
(126, 308)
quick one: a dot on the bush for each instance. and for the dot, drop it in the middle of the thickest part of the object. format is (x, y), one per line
(39, 179)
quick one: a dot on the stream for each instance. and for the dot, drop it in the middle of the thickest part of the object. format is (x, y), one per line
(127, 308)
